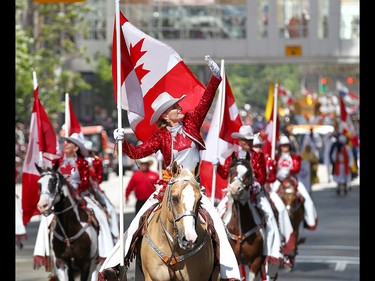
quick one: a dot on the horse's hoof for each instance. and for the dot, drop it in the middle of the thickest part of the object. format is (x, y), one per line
(288, 267)
(301, 240)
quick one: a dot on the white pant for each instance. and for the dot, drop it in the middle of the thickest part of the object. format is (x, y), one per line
(105, 240)
(310, 215)
(228, 262)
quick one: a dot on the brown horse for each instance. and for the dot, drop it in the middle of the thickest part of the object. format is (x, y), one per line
(244, 225)
(294, 206)
(74, 235)
(177, 243)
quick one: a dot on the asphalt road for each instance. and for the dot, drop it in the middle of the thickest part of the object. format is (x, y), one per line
(331, 252)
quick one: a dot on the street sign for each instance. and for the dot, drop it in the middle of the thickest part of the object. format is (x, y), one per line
(293, 51)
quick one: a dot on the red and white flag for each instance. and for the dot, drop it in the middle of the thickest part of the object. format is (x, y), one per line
(285, 95)
(149, 68)
(42, 139)
(72, 121)
(219, 142)
(348, 96)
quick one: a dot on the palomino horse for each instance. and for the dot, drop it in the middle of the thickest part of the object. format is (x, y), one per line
(177, 243)
(75, 236)
(294, 206)
(244, 230)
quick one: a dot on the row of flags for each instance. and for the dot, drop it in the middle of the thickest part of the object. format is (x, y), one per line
(148, 68)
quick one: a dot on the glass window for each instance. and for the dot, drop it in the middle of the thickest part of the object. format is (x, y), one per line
(293, 18)
(263, 18)
(97, 19)
(188, 20)
(349, 21)
(323, 12)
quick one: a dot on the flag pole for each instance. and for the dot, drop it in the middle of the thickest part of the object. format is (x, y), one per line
(35, 81)
(221, 99)
(274, 125)
(67, 115)
(119, 126)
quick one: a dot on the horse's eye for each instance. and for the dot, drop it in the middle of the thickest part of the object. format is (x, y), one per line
(175, 199)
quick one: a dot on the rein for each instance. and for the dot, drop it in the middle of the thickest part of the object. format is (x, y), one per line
(243, 199)
(242, 237)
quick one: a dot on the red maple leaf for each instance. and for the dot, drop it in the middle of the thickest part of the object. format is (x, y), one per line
(181, 142)
(67, 169)
(135, 54)
(284, 163)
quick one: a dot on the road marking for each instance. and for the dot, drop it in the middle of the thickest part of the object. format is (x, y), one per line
(340, 266)
(330, 247)
(341, 262)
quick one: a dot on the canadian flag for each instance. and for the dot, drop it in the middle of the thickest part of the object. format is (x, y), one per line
(219, 143)
(42, 141)
(149, 68)
(71, 120)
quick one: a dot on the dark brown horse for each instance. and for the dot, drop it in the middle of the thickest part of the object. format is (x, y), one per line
(74, 229)
(177, 244)
(244, 225)
(294, 205)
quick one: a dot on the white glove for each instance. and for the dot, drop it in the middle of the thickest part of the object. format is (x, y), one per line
(215, 69)
(41, 164)
(119, 134)
(215, 161)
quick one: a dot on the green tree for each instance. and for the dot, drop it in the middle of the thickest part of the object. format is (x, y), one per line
(250, 83)
(45, 43)
(102, 85)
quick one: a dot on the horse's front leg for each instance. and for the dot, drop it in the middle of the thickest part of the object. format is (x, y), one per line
(61, 270)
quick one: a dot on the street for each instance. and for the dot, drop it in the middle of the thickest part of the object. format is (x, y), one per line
(331, 252)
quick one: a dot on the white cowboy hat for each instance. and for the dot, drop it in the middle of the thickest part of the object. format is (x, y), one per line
(257, 140)
(161, 104)
(79, 141)
(284, 140)
(147, 160)
(246, 132)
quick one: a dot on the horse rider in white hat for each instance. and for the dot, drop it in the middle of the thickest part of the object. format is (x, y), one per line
(179, 139)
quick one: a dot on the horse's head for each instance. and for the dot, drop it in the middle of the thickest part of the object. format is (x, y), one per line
(240, 177)
(49, 188)
(288, 188)
(183, 197)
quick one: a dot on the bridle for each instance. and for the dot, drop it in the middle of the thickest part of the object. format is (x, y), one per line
(179, 216)
(242, 199)
(56, 198)
(171, 260)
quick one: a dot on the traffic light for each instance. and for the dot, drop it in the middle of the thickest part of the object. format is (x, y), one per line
(323, 84)
(350, 80)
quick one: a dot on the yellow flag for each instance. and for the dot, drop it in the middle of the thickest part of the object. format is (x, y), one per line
(269, 105)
